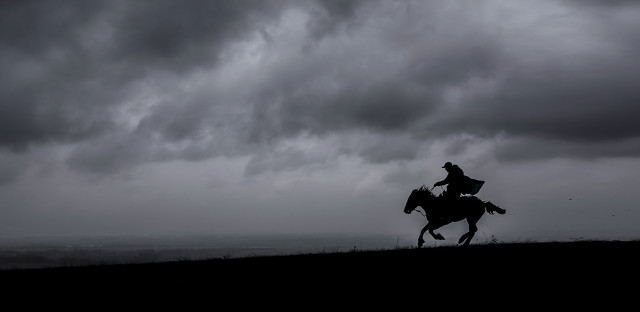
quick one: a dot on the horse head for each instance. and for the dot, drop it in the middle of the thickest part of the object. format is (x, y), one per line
(416, 199)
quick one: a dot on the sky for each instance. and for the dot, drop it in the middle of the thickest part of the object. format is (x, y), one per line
(317, 116)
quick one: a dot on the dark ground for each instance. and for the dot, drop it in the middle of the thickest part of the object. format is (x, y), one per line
(587, 274)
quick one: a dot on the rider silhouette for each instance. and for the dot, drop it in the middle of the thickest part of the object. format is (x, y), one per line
(454, 179)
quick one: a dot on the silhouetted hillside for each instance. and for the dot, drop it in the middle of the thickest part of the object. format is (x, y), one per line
(545, 269)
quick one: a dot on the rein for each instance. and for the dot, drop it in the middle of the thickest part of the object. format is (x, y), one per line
(422, 213)
(424, 187)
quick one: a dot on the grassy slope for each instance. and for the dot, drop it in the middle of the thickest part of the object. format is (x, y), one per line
(529, 270)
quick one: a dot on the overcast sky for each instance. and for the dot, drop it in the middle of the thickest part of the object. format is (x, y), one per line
(258, 117)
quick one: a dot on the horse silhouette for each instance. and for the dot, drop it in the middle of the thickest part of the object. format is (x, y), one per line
(441, 211)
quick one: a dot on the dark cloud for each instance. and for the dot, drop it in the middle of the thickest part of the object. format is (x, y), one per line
(390, 105)
(46, 91)
(534, 149)
(67, 67)
(602, 4)
(178, 36)
(584, 97)
(329, 16)
(71, 69)
(126, 83)
(32, 29)
(376, 83)
(229, 115)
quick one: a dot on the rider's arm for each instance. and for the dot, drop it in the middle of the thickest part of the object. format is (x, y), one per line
(443, 182)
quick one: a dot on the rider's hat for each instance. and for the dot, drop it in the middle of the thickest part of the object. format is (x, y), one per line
(447, 165)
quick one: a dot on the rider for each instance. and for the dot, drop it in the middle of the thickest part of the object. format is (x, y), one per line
(454, 179)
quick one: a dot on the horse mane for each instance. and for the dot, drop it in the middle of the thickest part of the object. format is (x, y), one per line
(424, 190)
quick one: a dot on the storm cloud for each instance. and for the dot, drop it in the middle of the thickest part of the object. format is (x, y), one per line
(127, 83)
(359, 93)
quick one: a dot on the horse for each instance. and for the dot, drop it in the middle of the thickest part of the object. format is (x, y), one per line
(441, 211)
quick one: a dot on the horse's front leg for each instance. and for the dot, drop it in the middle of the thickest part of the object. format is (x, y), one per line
(420, 238)
(430, 227)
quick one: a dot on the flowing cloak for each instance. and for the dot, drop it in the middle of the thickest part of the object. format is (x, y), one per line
(471, 186)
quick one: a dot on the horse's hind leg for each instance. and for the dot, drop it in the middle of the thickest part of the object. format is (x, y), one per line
(437, 236)
(469, 235)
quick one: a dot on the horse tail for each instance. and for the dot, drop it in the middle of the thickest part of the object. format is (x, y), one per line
(491, 208)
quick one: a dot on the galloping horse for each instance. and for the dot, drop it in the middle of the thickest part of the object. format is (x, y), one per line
(441, 211)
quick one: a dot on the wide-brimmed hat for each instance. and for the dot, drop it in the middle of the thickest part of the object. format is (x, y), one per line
(447, 165)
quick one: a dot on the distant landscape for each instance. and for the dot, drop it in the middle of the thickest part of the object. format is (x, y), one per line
(29, 253)
(69, 252)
